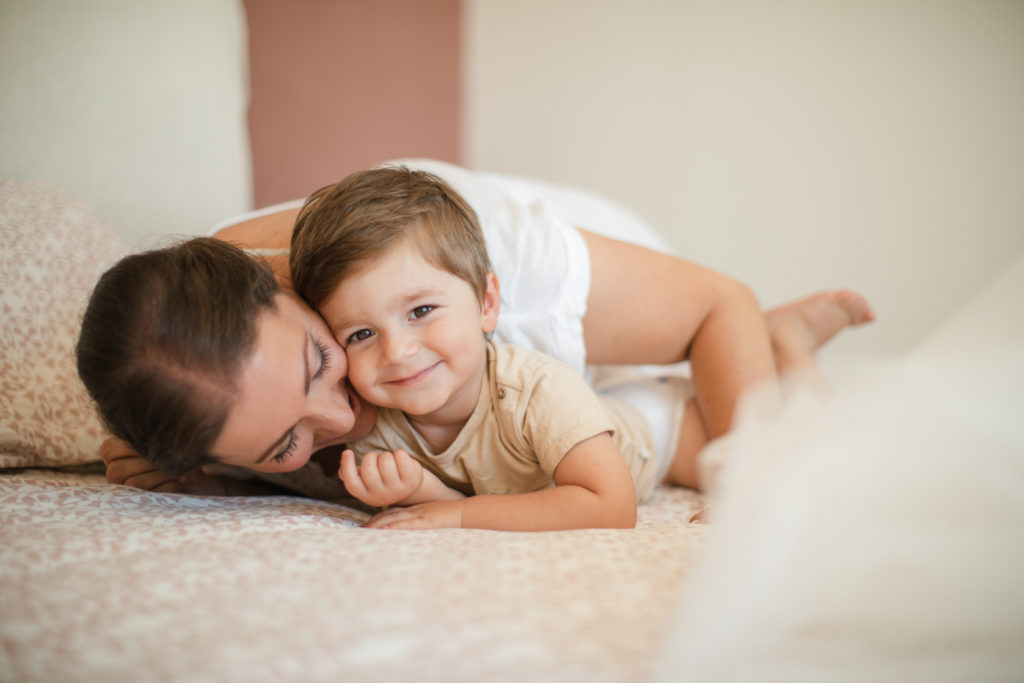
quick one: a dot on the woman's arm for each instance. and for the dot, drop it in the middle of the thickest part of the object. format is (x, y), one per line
(271, 231)
(593, 489)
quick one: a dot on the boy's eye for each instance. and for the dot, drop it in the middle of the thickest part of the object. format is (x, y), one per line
(359, 336)
(420, 311)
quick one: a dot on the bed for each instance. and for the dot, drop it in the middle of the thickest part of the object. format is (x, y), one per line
(874, 534)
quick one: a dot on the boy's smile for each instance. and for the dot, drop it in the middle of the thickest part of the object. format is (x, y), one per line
(416, 377)
(414, 335)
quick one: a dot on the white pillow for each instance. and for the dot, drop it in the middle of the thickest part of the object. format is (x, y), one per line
(53, 247)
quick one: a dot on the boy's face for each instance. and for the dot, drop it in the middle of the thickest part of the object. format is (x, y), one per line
(413, 334)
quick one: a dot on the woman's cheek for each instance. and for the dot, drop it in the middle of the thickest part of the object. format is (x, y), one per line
(341, 367)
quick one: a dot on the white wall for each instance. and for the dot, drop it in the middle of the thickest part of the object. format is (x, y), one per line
(795, 145)
(136, 105)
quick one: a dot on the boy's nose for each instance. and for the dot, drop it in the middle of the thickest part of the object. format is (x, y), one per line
(399, 345)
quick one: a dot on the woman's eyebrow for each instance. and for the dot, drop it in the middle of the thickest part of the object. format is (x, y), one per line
(305, 373)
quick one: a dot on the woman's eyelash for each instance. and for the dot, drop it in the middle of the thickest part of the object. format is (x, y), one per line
(325, 359)
(289, 449)
(293, 440)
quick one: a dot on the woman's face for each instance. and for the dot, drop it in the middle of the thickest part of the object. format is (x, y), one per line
(292, 395)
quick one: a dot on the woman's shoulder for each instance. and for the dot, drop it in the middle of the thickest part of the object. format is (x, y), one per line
(269, 228)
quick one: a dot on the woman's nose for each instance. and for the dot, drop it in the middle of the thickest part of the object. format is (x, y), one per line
(330, 413)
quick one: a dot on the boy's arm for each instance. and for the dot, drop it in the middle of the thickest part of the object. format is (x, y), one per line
(593, 488)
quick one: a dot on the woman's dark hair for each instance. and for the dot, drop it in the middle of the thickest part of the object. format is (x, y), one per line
(163, 339)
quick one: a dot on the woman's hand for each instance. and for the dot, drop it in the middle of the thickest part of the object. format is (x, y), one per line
(125, 466)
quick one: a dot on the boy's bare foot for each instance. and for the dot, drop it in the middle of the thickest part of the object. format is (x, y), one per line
(800, 328)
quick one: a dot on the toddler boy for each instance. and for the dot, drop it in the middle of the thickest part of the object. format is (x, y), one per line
(470, 433)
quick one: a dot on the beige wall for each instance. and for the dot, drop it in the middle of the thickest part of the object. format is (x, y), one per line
(796, 145)
(138, 106)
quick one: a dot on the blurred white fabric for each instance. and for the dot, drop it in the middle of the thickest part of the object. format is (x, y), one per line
(875, 534)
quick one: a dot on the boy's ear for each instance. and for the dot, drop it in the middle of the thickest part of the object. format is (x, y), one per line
(490, 304)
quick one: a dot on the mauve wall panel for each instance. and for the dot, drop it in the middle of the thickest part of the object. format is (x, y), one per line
(341, 84)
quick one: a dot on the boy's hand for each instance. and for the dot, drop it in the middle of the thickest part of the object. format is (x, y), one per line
(381, 478)
(436, 515)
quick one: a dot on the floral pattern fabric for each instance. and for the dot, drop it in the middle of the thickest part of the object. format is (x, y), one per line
(104, 582)
(53, 248)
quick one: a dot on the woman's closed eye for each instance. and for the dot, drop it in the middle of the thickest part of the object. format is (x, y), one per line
(325, 359)
(289, 449)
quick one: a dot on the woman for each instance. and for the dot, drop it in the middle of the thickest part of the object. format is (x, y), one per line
(224, 350)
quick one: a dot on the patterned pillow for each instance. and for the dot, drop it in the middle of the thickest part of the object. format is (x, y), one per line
(53, 247)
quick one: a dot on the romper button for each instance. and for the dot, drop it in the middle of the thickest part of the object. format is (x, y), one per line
(501, 392)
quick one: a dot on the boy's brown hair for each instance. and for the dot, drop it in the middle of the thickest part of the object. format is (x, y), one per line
(342, 226)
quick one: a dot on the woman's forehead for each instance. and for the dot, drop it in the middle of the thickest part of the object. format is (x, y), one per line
(299, 312)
